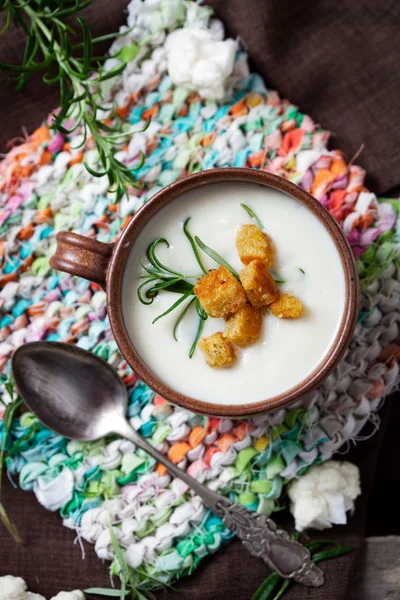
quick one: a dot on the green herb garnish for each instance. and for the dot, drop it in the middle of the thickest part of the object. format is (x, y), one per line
(136, 583)
(109, 592)
(8, 419)
(203, 317)
(193, 244)
(171, 308)
(253, 215)
(215, 256)
(277, 278)
(181, 317)
(159, 277)
(51, 50)
(302, 271)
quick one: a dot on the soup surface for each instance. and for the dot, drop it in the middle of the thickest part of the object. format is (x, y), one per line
(288, 349)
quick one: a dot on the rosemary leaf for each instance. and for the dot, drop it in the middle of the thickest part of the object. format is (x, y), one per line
(181, 288)
(171, 308)
(9, 524)
(151, 255)
(200, 310)
(193, 244)
(109, 74)
(253, 215)
(162, 286)
(93, 172)
(277, 278)
(332, 553)
(282, 589)
(119, 555)
(198, 336)
(215, 256)
(110, 592)
(25, 438)
(87, 44)
(139, 291)
(302, 270)
(181, 317)
(317, 544)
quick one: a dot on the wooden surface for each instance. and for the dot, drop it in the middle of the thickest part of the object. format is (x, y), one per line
(378, 574)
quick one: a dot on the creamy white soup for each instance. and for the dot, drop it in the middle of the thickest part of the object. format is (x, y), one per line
(288, 350)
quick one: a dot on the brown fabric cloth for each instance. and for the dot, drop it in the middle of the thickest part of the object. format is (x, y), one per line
(338, 62)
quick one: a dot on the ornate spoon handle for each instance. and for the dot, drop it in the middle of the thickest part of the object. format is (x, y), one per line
(260, 535)
(262, 538)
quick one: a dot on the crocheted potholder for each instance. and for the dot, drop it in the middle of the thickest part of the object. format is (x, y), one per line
(45, 188)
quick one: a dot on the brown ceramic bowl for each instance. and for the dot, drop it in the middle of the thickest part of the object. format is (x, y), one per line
(105, 263)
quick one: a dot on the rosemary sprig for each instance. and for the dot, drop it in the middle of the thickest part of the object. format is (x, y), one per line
(8, 419)
(162, 278)
(52, 52)
(215, 256)
(253, 215)
(134, 582)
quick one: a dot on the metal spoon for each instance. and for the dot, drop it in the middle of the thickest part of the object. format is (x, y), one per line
(81, 397)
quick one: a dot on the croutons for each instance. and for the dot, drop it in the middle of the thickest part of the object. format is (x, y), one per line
(259, 285)
(244, 327)
(253, 244)
(220, 293)
(218, 351)
(287, 307)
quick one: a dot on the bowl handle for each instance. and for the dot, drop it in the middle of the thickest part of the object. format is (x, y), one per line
(82, 256)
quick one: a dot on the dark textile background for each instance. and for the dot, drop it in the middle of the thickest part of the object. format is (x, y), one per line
(339, 62)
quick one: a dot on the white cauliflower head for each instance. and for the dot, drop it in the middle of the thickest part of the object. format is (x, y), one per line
(324, 494)
(12, 588)
(75, 595)
(199, 62)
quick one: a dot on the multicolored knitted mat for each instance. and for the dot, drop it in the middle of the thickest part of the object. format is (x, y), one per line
(44, 188)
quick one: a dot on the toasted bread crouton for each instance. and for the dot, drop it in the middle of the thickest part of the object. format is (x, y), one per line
(287, 307)
(258, 283)
(244, 327)
(218, 351)
(253, 244)
(220, 293)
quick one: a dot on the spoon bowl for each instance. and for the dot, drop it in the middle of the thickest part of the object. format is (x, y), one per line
(75, 393)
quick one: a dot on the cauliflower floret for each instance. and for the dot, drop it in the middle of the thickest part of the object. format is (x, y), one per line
(200, 63)
(32, 596)
(12, 588)
(75, 595)
(324, 494)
